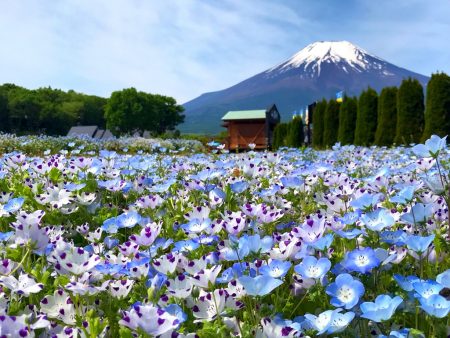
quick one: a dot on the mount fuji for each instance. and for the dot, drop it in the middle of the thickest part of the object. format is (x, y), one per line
(317, 71)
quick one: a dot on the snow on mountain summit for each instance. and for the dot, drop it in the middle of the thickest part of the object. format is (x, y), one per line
(338, 52)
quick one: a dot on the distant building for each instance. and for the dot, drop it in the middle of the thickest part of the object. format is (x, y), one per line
(90, 131)
(251, 127)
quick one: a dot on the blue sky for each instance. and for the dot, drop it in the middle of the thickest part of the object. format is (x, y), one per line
(183, 48)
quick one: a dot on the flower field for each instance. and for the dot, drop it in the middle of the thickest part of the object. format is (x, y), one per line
(131, 238)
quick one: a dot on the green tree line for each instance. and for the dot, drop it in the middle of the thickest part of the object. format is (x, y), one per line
(289, 134)
(54, 111)
(394, 116)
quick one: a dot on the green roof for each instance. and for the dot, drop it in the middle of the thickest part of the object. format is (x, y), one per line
(245, 115)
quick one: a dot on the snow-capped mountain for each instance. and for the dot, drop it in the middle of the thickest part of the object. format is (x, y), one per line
(317, 71)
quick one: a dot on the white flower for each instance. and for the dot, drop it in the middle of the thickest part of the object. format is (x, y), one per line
(24, 286)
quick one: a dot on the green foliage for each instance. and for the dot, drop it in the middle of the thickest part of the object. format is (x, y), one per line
(279, 135)
(331, 123)
(437, 111)
(410, 112)
(4, 113)
(129, 111)
(295, 135)
(347, 120)
(387, 117)
(366, 119)
(318, 123)
(47, 110)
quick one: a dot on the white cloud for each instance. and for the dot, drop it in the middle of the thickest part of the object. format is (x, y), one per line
(183, 48)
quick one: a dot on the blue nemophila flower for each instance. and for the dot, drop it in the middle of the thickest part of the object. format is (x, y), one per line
(128, 219)
(405, 195)
(14, 204)
(346, 291)
(239, 186)
(360, 260)
(419, 213)
(111, 225)
(418, 243)
(365, 201)
(435, 305)
(323, 242)
(378, 220)
(350, 217)
(4, 236)
(406, 283)
(397, 237)
(291, 182)
(186, 246)
(311, 267)
(350, 234)
(259, 285)
(275, 268)
(234, 272)
(431, 148)
(330, 321)
(444, 279)
(425, 289)
(382, 309)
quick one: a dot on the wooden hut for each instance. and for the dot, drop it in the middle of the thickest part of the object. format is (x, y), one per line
(251, 126)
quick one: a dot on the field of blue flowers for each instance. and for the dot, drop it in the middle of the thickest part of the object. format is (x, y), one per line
(128, 239)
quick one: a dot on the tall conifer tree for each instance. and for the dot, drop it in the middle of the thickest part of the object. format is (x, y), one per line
(387, 117)
(318, 120)
(347, 120)
(331, 123)
(366, 119)
(410, 112)
(437, 108)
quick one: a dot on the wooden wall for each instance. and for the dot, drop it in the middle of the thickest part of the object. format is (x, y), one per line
(242, 133)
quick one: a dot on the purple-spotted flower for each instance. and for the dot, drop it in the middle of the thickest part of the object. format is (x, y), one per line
(149, 318)
(22, 286)
(179, 287)
(69, 259)
(59, 306)
(210, 305)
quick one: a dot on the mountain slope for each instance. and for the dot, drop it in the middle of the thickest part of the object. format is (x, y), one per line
(319, 70)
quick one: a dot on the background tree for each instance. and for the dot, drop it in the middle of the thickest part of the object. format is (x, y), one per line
(295, 135)
(4, 112)
(129, 111)
(318, 121)
(366, 119)
(279, 135)
(24, 110)
(387, 117)
(331, 123)
(437, 109)
(410, 112)
(347, 120)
